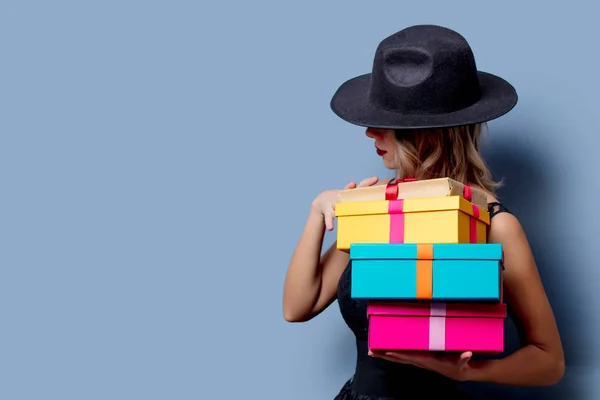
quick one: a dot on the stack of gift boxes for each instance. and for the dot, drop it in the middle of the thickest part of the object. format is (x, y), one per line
(420, 258)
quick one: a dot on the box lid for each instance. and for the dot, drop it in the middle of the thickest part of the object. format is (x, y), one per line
(415, 189)
(438, 251)
(427, 309)
(424, 204)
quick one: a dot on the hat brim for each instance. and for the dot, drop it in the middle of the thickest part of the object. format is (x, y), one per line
(351, 103)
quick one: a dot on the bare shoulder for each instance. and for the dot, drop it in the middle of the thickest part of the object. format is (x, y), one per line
(506, 228)
(522, 282)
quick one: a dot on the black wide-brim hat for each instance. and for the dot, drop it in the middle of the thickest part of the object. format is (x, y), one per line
(424, 76)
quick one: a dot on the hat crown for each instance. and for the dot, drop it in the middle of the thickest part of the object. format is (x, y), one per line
(424, 69)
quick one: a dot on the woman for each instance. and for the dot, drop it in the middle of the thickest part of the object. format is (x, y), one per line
(424, 105)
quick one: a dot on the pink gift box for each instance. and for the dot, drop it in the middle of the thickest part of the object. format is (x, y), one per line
(432, 326)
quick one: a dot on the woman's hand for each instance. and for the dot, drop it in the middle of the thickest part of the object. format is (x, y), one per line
(324, 204)
(454, 366)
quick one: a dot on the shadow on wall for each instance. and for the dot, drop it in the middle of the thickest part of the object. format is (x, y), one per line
(527, 181)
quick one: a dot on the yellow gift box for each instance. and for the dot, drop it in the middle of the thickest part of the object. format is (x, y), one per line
(447, 219)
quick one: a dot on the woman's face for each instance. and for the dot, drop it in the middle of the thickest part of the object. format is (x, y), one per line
(385, 145)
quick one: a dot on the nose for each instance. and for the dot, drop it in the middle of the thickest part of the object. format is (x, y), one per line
(374, 133)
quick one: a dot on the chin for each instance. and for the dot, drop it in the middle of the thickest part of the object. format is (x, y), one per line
(389, 164)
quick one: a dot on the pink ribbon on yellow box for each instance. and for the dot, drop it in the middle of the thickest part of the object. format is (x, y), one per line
(445, 219)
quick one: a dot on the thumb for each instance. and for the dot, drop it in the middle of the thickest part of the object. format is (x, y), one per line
(465, 358)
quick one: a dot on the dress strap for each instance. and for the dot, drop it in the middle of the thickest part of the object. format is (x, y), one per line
(496, 208)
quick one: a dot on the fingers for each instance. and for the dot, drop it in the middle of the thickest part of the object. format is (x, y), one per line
(403, 358)
(368, 181)
(330, 214)
(410, 356)
(465, 358)
(365, 182)
(384, 356)
(329, 217)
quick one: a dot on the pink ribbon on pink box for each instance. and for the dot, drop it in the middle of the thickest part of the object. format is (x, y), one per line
(437, 327)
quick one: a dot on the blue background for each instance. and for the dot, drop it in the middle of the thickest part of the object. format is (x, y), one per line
(158, 160)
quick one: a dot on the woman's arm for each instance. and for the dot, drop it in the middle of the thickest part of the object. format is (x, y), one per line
(311, 280)
(541, 361)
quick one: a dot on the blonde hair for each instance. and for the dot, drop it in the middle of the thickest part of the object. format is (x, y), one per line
(444, 152)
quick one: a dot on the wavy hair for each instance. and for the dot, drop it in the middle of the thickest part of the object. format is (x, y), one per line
(444, 152)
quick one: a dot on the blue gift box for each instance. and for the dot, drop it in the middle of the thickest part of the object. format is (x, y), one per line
(444, 272)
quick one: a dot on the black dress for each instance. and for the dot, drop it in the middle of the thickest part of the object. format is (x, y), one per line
(379, 379)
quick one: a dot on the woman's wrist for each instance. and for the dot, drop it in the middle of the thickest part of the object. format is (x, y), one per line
(315, 217)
